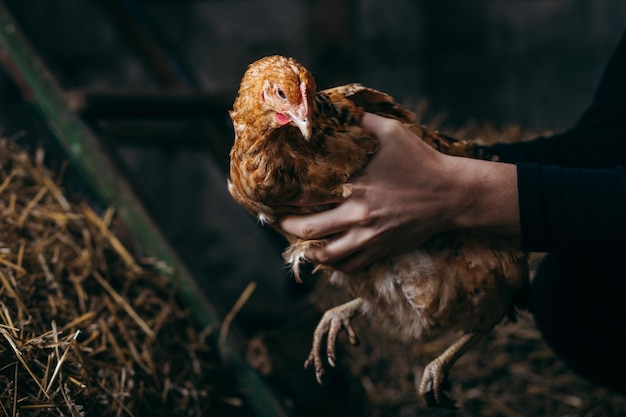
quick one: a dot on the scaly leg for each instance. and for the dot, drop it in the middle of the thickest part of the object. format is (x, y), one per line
(435, 377)
(332, 322)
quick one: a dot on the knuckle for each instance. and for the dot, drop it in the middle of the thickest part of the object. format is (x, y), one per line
(322, 256)
(392, 127)
(307, 231)
(362, 215)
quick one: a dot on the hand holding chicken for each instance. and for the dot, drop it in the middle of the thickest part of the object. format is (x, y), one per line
(295, 145)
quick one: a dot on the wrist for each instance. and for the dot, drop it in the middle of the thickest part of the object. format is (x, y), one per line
(486, 196)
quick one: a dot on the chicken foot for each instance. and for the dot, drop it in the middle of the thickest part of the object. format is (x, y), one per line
(332, 322)
(435, 377)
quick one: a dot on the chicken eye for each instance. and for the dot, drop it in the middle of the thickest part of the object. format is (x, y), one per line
(281, 94)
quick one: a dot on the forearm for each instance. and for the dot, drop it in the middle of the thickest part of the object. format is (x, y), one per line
(544, 208)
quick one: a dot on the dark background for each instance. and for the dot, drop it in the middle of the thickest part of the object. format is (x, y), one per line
(521, 62)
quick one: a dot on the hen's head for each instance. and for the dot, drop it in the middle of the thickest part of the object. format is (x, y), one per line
(282, 89)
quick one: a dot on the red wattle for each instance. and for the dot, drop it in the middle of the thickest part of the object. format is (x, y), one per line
(282, 119)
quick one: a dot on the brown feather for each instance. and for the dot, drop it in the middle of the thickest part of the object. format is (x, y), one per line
(459, 281)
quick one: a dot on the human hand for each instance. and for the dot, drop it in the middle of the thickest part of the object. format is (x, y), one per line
(408, 193)
(394, 206)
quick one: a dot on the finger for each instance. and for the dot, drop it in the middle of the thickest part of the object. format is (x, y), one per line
(319, 225)
(302, 202)
(347, 252)
(370, 121)
(378, 125)
(354, 263)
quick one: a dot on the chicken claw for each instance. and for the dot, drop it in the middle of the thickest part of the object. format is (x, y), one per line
(332, 322)
(435, 377)
(433, 386)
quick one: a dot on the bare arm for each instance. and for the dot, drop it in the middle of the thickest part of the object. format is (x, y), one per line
(409, 193)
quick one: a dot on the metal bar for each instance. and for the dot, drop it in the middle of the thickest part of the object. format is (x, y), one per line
(95, 167)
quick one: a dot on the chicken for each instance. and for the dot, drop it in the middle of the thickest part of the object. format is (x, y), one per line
(295, 145)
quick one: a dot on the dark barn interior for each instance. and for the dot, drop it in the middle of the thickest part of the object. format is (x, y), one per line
(152, 82)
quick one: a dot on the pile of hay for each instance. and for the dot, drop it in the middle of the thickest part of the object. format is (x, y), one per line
(85, 327)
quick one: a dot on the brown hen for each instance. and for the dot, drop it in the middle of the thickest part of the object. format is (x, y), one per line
(294, 145)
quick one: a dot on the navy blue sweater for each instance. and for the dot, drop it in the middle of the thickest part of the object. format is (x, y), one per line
(572, 185)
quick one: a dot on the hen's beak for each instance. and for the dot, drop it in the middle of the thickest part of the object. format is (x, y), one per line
(301, 116)
(304, 124)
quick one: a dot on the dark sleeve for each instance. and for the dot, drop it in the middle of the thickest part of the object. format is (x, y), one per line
(572, 209)
(572, 186)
